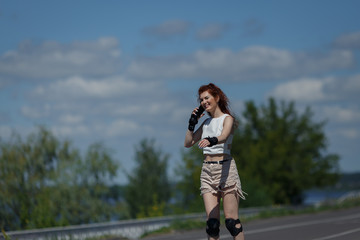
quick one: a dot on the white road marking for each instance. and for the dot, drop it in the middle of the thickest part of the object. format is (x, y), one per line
(300, 224)
(339, 234)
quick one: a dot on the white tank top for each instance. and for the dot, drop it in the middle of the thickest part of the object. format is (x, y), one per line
(212, 128)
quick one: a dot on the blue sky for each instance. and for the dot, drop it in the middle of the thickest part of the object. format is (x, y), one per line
(121, 71)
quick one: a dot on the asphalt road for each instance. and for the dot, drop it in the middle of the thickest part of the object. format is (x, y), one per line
(338, 224)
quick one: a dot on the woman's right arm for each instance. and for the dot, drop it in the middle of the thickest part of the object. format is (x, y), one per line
(192, 137)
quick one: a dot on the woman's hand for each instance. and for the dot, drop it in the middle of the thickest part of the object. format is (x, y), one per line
(204, 143)
(208, 142)
(195, 112)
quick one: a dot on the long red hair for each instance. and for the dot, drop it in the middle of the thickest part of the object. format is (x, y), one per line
(215, 91)
(223, 103)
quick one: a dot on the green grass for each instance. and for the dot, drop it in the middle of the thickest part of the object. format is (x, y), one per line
(177, 225)
(106, 237)
(5, 235)
(330, 205)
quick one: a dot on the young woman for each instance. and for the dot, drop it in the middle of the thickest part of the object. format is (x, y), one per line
(219, 176)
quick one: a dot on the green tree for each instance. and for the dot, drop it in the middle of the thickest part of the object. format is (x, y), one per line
(44, 182)
(189, 184)
(26, 170)
(95, 174)
(148, 189)
(282, 151)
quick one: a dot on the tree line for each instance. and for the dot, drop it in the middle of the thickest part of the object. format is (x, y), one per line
(45, 182)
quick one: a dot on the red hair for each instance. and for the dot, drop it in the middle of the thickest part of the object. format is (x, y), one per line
(216, 92)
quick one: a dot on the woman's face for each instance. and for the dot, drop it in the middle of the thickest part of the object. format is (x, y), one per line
(208, 101)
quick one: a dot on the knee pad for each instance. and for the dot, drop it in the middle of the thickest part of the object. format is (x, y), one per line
(231, 226)
(213, 227)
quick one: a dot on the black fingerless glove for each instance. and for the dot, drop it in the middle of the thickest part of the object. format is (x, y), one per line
(213, 141)
(194, 118)
(192, 122)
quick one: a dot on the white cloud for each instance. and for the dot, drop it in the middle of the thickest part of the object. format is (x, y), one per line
(305, 90)
(353, 84)
(101, 58)
(341, 114)
(5, 131)
(345, 87)
(77, 87)
(115, 128)
(40, 111)
(348, 133)
(168, 29)
(72, 131)
(212, 31)
(110, 107)
(121, 127)
(349, 41)
(30, 112)
(55, 60)
(251, 63)
(71, 119)
(319, 89)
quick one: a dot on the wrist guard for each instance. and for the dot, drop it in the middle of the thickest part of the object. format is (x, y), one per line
(213, 141)
(194, 118)
(192, 122)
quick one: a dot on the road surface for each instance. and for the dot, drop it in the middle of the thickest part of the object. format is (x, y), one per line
(341, 224)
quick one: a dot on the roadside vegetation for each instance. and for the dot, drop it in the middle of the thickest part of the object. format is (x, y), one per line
(179, 226)
(48, 182)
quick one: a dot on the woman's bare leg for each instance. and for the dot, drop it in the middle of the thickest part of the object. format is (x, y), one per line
(231, 210)
(212, 208)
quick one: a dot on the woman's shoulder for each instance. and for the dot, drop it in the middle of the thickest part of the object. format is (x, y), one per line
(217, 119)
(227, 116)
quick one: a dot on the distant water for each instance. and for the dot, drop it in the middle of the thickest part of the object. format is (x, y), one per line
(316, 196)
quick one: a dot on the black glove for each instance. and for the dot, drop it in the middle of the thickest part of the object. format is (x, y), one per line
(213, 141)
(194, 118)
(192, 122)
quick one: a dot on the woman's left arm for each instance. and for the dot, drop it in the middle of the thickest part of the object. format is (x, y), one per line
(228, 125)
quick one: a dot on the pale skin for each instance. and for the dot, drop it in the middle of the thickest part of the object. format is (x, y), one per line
(212, 201)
